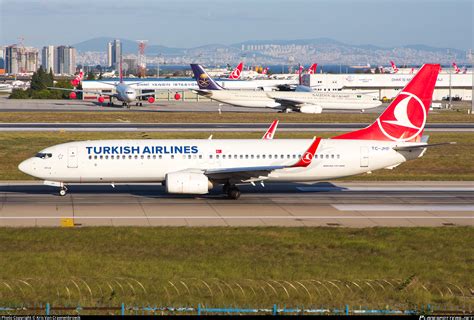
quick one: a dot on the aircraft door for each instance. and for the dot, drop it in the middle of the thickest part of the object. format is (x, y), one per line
(72, 157)
(364, 157)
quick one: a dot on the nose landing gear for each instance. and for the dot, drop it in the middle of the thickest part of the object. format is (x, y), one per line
(63, 191)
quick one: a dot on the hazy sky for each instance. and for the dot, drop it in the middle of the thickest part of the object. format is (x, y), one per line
(186, 23)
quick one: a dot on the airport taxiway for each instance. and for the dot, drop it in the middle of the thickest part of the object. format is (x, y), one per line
(191, 105)
(211, 127)
(338, 204)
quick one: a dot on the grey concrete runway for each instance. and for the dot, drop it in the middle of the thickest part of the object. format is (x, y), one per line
(362, 204)
(211, 127)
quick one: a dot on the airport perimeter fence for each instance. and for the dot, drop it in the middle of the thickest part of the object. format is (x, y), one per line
(124, 310)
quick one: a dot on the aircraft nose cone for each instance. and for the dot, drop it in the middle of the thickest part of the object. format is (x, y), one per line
(27, 166)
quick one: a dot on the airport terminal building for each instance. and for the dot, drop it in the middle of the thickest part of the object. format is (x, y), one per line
(388, 85)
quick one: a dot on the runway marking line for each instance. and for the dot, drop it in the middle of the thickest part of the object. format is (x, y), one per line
(240, 217)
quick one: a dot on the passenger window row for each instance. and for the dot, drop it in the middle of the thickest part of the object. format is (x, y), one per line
(217, 156)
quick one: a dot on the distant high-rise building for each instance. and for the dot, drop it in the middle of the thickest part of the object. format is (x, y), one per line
(65, 60)
(109, 54)
(20, 59)
(115, 49)
(47, 58)
(2, 58)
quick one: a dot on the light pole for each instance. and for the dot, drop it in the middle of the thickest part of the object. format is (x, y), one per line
(158, 66)
(450, 73)
(471, 59)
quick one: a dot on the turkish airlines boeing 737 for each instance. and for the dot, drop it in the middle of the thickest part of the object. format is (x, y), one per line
(196, 166)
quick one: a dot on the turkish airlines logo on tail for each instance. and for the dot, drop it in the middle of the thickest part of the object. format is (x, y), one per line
(268, 136)
(237, 72)
(407, 121)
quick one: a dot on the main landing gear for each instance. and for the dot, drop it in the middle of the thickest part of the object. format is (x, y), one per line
(232, 191)
(63, 191)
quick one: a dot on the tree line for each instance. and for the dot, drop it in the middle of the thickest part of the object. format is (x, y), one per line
(40, 81)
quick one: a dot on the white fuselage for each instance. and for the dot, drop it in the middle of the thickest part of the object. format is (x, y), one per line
(151, 160)
(125, 93)
(326, 100)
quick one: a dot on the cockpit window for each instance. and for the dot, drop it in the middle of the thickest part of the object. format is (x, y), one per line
(43, 155)
(129, 92)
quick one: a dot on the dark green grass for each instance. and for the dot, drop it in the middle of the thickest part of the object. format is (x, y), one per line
(451, 162)
(55, 262)
(213, 117)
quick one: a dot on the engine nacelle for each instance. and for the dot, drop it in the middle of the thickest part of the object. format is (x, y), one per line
(311, 108)
(187, 183)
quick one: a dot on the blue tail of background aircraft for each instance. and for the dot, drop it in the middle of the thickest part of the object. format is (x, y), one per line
(203, 79)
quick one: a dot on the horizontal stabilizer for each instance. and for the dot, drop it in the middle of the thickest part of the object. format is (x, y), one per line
(420, 146)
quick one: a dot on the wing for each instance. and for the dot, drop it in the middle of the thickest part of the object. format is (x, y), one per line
(251, 174)
(293, 104)
(85, 91)
(242, 174)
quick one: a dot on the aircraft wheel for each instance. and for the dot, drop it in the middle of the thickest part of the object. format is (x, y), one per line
(63, 191)
(233, 193)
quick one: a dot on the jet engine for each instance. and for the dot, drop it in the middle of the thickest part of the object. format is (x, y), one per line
(187, 183)
(151, 99)
(100, 99)
(311, 108)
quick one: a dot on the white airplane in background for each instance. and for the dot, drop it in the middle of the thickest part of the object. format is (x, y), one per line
(196, 166)
(124, 92)
(304, 102)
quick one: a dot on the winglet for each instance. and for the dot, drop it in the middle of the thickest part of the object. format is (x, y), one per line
(271, 131)
(308, 155)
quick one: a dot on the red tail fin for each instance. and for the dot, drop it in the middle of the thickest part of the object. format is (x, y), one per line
(271, 131)
(394, 67)
(405, 118)
(456, 68)
(237, 71)
(312, 69)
